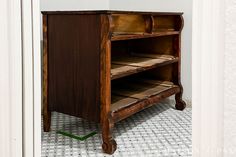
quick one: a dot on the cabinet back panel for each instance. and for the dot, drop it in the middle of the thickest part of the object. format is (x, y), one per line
(74, 46)
(167, 23)
(162, 73)
(119, 48)
(159, 45)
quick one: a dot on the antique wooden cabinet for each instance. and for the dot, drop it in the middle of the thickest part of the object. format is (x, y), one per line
(105, 66)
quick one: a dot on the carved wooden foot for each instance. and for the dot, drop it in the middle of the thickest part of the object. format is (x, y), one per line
(109, 147)
(180, 104)
(109, 144)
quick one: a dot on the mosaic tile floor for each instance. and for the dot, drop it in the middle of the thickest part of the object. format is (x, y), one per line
(159, 131)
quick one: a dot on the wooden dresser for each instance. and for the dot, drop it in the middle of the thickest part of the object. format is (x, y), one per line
(105, 66)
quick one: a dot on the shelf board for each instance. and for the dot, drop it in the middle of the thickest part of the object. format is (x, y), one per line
(119, 102)
(141, 88)
(127, 65)
(128, 36)
(118, 71)
(133, 96)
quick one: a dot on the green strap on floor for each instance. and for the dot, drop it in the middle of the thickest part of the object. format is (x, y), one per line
(75, 136)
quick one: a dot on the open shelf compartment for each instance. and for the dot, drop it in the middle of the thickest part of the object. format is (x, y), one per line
(134, 56)
(138, 94)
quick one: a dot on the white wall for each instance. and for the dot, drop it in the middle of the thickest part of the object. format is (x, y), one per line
(149, 5)
(230, 80)
(168, 6)
(54, 5)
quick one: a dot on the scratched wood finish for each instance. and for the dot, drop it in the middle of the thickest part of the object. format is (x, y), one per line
(125, 112)
(105, 66)
(136, 91)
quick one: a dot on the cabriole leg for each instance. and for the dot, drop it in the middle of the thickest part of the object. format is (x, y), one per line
(109, 144)
(180, 104)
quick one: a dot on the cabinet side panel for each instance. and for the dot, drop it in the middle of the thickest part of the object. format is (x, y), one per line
(74, 54)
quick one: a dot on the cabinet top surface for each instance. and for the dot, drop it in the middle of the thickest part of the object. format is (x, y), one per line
(110, 12)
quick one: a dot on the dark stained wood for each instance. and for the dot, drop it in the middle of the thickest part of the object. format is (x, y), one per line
(125, 36)
(46, 111)
(109, 144)
(74, 51)
(105, 66)
(180, 104)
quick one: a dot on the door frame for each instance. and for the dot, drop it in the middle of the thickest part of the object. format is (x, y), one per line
(31, 56)
(208, 77)
(20, 79)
